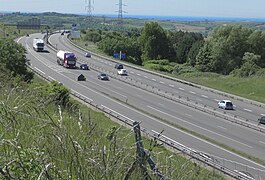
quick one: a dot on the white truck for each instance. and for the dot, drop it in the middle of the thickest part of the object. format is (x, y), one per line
(38, 44)
(66, 59)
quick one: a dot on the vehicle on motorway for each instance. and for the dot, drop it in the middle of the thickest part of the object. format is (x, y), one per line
(122, 72)
(118, 66)
(103, 76)
(84, 67)
(81, 77)
(27, 35)
(261, 120)
(87, 54)
(226, 104)
(38, 44)
(66, 59)
(62, 33)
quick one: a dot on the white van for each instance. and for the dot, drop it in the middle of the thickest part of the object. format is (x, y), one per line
(122, 72)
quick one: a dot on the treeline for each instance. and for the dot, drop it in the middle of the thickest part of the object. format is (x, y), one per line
(233, 50)
(150, 43)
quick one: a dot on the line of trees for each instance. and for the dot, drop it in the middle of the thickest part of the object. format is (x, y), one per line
(233, 50)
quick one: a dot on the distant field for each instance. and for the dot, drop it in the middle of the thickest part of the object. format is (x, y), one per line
(189, 28)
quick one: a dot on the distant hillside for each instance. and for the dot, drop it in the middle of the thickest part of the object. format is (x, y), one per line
(110, 22)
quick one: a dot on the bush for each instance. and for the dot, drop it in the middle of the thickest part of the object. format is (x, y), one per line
(59, 93)
(247, 69)
(183, 68)
(159, 65)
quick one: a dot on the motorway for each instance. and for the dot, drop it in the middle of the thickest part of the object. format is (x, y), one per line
(137, 104)
(244, 110)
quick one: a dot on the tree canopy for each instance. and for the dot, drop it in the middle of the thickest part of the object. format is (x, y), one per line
(13, 58)
(225, 50)
(154, 42)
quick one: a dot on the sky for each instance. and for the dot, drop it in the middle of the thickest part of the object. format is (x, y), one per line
(197, 8)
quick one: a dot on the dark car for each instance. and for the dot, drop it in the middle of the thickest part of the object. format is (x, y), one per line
(119, 66)
(81, 77)
(27, 35)
(103, 76)
(84, 67)
(62, 33)
(87, 55)
(262, 120)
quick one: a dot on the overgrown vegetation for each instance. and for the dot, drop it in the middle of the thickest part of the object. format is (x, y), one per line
(47, 135)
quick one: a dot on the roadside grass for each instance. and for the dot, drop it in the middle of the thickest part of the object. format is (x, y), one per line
(11, 32)
(250, 88)
(42, 140)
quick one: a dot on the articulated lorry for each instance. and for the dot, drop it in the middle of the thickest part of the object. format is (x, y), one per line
(66, 59)
(38, 44)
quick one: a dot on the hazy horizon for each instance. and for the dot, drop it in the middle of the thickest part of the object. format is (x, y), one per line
(202, 8)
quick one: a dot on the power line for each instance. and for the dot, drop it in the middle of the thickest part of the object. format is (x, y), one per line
(120, 12)
(89, 9)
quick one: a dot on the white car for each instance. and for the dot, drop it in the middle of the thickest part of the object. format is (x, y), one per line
(122, 72)
(226, 104)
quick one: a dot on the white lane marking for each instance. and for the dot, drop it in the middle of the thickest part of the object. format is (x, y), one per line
(247, 110)
(161, 82)
(139, 74)
(181, 89)
(198, 126)
(117, 113)
(222, 127)
(262, 142)
(188, 115)
(171, 85)
(132, 72)
(154, 79)
(161, 104)
(192, 92)
(139, 95)
(39, 70)
(146, 77)
(109, 89)
(217, 100)
(19, 39)
(204, 96)
(119, 87)
(81, 95)
(51, 78)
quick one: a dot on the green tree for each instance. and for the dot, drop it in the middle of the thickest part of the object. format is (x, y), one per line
(257, 45)
(181, 43)
(13, 58)
(249, 67)
(204, 58)
(227, 47)
(154, 42)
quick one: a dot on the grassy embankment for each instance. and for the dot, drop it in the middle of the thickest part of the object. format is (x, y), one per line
(250, 88)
